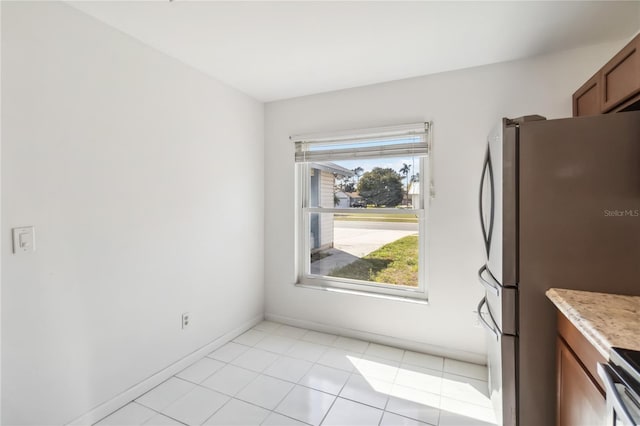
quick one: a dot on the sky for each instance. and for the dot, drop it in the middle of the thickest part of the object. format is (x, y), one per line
(394, 163)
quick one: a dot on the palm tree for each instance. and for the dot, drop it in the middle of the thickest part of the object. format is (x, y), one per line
(404, 170)
(358, 172)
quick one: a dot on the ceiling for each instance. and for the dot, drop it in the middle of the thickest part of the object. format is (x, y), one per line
(277, 50)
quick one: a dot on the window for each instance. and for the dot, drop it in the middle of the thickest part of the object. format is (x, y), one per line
(361, 210)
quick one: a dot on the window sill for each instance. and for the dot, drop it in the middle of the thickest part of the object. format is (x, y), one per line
(406, 299)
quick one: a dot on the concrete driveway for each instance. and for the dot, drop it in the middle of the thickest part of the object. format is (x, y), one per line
(361, 238)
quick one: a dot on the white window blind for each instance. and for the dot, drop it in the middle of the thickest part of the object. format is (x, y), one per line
(393, 141)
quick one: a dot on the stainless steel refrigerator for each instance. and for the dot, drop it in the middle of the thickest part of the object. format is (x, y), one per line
(559, 207)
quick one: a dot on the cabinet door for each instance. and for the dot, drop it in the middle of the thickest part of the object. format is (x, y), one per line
(587, 99)
(621, 76)
(580, 403)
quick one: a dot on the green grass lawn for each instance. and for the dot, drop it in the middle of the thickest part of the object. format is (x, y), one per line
(393, 263)
(381, 217)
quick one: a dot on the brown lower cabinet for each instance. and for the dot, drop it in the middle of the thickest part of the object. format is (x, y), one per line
(580, 398)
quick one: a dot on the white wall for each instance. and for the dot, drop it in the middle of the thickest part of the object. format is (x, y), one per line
(2, 231)
(135, 170)
(464, 106)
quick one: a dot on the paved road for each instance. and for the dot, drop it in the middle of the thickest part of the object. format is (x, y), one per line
(397, 226)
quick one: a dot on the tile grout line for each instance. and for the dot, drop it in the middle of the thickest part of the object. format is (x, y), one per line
(351, 373)
(326, 349)
(315, 363)
(333, 403)
(401, 363)
(262, 373)
(231, 397)
(152, 409)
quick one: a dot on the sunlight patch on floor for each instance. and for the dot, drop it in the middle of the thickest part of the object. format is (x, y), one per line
(462, 400)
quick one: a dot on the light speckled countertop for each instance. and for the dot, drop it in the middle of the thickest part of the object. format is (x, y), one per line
(606, 320)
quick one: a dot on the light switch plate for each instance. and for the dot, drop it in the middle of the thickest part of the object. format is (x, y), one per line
(24, 240)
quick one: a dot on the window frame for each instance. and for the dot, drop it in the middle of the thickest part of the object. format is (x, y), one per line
(303, 246)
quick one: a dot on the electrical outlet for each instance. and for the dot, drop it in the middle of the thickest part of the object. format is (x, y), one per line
(186, 320)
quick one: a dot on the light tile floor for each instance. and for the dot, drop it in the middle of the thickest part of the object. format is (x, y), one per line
(280, 375)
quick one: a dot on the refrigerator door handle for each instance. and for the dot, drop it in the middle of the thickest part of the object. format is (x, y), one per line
(481, 196)
(492, 285)
(487, 231)
(484, 323)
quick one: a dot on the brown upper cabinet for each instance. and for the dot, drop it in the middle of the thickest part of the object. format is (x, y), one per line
(586, 100)
(614, 87)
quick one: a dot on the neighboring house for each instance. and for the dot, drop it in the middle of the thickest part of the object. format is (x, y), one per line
(342, 200)
(323, 177)
(355, 200)
(414, 193)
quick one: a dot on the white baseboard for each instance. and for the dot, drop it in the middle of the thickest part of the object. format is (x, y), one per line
(146, 385)
(411, 345)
